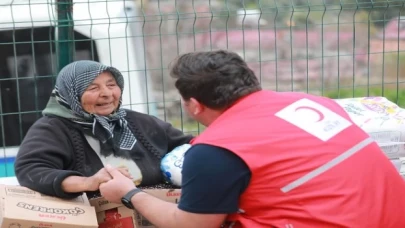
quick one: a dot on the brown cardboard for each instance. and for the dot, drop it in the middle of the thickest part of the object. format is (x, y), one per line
(101, 204)
(117, 217)
(22, 192)
(169, 195)
(112, 215)
(23, 208)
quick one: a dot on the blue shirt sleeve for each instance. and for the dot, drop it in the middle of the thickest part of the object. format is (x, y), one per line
(213, 178)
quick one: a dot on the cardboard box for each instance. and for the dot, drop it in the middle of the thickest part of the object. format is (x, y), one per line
(22, 192)
(117, 217)
(112, 215)
(21, 207)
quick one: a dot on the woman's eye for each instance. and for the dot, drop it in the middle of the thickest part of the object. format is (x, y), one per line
(112, 85)
(92, 88)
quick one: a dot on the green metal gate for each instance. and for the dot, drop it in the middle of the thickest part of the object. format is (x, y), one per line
(335, 48)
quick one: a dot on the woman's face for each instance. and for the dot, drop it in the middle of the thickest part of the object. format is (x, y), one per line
(103, 95)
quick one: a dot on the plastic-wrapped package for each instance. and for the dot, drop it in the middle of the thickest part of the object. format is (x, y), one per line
(382, 119)
(172, 164)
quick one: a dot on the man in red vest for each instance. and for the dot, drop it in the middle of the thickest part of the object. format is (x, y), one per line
(269, 159)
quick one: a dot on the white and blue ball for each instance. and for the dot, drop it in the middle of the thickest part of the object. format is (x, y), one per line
(172, 164)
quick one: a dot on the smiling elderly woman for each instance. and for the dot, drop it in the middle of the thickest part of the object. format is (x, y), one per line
(84, 128)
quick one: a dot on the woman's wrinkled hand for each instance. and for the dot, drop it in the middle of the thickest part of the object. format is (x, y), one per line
(102, 176)
(125, 172)
(117, 187)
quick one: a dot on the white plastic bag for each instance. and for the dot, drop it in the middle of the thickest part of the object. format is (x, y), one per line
(172, 164)
(382, 119)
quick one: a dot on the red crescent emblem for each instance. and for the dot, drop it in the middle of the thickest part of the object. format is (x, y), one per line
(320, 114)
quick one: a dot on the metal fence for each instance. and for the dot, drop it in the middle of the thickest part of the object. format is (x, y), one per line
(335, 48)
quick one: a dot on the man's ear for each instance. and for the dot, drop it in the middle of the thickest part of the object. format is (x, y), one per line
(197, 107)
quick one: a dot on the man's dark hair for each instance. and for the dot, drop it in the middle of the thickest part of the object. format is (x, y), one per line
(217, 79)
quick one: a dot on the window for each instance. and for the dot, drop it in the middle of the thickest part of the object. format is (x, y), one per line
(27, 74)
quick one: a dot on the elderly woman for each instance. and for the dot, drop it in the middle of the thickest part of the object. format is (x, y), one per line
(84, 128)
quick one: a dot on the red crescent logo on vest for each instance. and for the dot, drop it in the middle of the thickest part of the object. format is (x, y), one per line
(320, 114)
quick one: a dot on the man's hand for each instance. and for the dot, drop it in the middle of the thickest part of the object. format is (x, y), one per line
(93, 183)
(115, 188)
(124, 170)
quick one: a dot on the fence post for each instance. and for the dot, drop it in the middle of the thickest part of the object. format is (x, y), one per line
(64, 44)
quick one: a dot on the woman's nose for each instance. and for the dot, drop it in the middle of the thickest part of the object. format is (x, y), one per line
(105, 92)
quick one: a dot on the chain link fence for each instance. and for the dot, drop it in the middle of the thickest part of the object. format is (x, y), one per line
(335, 48)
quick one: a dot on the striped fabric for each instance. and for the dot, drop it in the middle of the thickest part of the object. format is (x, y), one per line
(71, 83)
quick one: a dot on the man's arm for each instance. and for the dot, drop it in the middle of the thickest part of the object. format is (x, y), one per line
(212, 181)
(168, 215)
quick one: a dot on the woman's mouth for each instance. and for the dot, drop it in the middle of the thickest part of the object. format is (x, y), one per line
(104, 104)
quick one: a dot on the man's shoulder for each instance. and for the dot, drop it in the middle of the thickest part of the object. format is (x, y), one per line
(228, 174)
(209, 154)
(210, 149)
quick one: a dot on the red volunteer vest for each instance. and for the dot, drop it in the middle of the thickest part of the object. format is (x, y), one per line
(310, 165)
